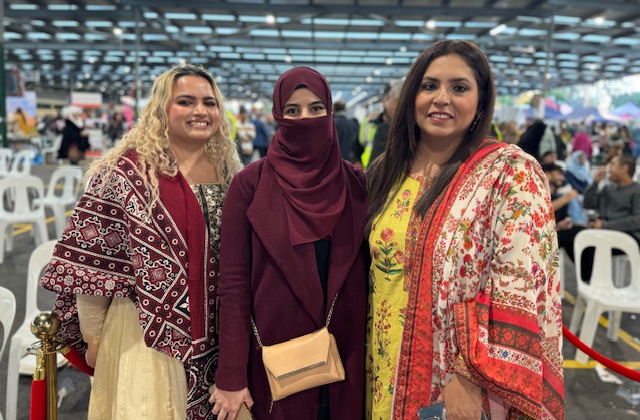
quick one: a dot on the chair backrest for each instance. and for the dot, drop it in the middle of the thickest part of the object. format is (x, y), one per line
(23, 189)
(6, 156)
(7, 314)
(605, 241)
(22, 160)
(38, 260)
(71, 179)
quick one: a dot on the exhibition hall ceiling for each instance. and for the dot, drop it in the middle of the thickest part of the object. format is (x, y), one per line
(359, 45)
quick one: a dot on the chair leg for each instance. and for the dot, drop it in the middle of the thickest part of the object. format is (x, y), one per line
(588, 329)
(60, 218)
(3, 228)
(615, 318)
(578, 312)
(9, 237)
(42, 235)
(15, 354)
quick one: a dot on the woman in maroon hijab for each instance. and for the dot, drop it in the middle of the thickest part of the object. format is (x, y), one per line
(293, 241)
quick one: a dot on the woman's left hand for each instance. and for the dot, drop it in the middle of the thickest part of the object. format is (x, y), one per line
(462, 399)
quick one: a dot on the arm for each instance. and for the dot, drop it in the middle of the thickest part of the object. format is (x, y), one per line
(235, 299)
(521, 298)
(562, 201)
(92, 311)
(591, 195)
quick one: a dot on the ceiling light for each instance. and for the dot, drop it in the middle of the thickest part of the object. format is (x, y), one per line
(516, 82)
(430, 24)
(495, 31)
(388, 61)
(270, 19)
(87, 75)
(369, 79)
(599, 20)
(117, 31)
(376, 72)
(403, 49)
(288, 58)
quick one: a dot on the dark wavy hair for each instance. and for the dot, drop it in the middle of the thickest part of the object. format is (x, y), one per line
(387, 173)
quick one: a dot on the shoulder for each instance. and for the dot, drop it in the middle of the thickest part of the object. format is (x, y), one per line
(248, 177)
(355, 175)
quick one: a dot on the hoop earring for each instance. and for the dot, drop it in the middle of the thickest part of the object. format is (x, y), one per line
(475, 121)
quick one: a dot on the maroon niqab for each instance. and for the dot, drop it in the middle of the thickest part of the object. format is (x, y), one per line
(305, 156)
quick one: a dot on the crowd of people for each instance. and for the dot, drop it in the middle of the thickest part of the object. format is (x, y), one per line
(419, 239)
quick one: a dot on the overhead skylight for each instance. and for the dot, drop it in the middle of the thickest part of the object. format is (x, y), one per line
(181, 16)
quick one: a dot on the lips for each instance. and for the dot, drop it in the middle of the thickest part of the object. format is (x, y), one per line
(439, 115)
(199, 124)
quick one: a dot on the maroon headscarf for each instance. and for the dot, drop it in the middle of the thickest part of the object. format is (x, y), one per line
(305, 156)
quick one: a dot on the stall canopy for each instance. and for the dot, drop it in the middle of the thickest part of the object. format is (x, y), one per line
(627, 111)
(591, 114)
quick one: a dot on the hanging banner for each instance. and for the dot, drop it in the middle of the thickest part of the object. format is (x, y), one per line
(86, 99)
(14, 83)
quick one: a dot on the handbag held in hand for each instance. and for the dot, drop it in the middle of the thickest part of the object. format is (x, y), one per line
(303, 362)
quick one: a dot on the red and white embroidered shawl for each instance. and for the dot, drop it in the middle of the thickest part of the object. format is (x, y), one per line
(110, 248)
(484, 298)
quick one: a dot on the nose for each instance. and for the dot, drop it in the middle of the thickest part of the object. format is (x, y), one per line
(442, 97)
(304, 113)
(199, 108)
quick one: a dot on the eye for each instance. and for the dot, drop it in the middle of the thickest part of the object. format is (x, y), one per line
(460, 88)
(184, 102)
(318, 108)
(212, 103)
(429, 86)
(290, 111)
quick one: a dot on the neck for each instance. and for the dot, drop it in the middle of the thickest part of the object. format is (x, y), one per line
(194, 165)
(625, 182)
(431, 156)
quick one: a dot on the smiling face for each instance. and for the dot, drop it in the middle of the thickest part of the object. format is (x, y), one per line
(447, 100)
(193, 111)
(303, 103)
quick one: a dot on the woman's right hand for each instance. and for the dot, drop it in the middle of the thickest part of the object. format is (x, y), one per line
(227, 403)
(92, 354)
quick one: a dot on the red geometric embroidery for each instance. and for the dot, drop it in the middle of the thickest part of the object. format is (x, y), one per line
(113, 239)
(157, 274)
(88, 233)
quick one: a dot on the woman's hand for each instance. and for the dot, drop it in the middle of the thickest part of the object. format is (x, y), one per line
(92, 353)
(227, 403)
(462, 399)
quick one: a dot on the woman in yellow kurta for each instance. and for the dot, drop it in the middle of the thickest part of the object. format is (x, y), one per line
(464, 303)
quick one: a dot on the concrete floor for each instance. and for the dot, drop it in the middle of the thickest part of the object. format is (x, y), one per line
(586, 395)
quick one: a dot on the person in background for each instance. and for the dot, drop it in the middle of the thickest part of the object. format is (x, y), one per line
(262, 138)
(565, 226)
(75, 139)
(346, 128)
(635, 136)
(463, 250)
(538, 139)
(582, 141)
(617, 204)
(293, 248)
(116, 128)
(245, 134)
(578, 172)
(136, 269)
(390, 104)
(361, 149)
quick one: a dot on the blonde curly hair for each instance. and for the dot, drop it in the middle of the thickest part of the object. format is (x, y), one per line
(150, 136)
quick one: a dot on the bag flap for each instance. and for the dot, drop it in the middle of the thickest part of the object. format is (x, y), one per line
(298, 354)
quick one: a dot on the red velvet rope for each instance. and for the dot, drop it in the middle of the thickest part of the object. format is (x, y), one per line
(614, 366)
(77, 360)
(38, 408)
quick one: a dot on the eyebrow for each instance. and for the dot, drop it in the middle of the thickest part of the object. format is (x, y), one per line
(453, 80)
(312, 103)
(194, 98)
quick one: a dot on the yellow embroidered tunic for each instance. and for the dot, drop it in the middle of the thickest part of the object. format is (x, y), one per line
(389, 241)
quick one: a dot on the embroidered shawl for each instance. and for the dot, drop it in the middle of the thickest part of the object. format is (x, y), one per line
(484, 298)
(164, 264)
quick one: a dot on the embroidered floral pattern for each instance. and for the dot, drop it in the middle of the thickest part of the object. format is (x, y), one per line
(402, 204)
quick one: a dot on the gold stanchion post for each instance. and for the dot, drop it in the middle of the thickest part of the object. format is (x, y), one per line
(45, 326)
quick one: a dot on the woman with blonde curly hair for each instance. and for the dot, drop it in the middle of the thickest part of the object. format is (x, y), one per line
(136, 269)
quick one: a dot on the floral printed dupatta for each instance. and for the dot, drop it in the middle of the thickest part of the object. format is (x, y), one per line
(484, 299)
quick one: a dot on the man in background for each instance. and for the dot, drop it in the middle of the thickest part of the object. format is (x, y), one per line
(347, 128)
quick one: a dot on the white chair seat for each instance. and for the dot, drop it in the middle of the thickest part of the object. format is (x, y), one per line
(601, 293)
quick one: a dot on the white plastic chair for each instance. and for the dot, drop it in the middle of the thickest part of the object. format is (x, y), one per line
(7, 314)
(23, 337)
(600, 294)
(21, 164)
(52, 149)
(71, 180)
(6, 156)
(20, 209)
